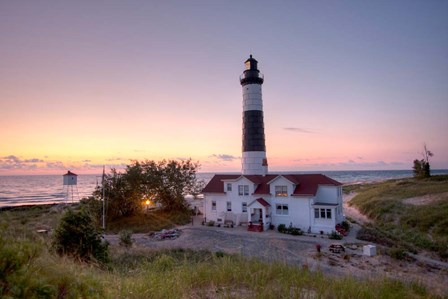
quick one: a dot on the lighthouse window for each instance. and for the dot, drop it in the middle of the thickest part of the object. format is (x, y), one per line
(243, 189)
(281, 191)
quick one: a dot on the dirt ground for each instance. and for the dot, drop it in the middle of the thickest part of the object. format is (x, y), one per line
(301, 250)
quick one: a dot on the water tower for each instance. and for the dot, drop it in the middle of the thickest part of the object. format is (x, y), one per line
(70, 183)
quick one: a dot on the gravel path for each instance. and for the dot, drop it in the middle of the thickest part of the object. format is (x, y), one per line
(300, 250)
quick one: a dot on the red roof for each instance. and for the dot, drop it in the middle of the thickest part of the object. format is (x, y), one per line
(216, 184)
(70, 173)
(306, 184)
(263, 202)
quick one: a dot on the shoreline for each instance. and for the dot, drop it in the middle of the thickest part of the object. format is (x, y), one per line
(22, 204)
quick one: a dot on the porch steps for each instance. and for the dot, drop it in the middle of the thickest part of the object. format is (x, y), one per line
(255, 228)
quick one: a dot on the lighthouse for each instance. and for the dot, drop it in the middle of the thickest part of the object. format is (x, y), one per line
(254, 148)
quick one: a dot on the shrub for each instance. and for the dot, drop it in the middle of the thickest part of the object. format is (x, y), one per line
(373, 235)
(15, 261)
(345, 225)
(295, 231)
(335, 236)
(281, 228)
(397, 253)
(211, 223)
(126, 238)
(77, 236)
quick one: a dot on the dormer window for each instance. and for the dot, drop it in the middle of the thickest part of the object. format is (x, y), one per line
(243, 189)
(281, 191)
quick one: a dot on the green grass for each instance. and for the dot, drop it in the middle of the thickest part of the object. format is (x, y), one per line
(29, 270)
(141, 273)
(153, 221)
(48, 216)
(424, 227)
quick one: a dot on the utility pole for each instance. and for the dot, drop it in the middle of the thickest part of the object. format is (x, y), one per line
(104, 199)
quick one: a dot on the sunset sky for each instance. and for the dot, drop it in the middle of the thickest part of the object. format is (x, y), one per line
(349, 85)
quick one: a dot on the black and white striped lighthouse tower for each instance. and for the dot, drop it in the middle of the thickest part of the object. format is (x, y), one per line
(254, 148)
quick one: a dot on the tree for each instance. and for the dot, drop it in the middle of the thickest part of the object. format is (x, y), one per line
(421, 168)
(167, 182)
(77, 236)
(163, 182)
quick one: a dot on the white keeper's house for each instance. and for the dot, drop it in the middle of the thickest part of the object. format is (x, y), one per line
(311, 202)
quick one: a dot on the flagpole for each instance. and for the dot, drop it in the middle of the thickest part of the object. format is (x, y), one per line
(104, 200)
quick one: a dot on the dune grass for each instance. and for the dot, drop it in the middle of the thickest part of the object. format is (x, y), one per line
(423, 226)
(29, 270)
(48, 216)
(153, 221)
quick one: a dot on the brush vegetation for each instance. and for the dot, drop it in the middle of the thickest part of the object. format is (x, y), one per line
(30, 269)
(399, 223)
(48, 217)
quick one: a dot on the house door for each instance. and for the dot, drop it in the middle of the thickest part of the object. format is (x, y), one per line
(257, 216)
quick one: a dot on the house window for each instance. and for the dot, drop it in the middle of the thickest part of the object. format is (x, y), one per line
(243, 189)
(282, 209)
(213, 205)
(244, 207)
(281, 191)
(322, 213)
(229, 187)
(229, 206)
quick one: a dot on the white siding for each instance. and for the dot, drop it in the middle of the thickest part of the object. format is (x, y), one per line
(327, 194)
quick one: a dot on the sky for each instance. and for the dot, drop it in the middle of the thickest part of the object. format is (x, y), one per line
(349, 85)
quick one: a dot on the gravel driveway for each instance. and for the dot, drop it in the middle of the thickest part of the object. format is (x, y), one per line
(268, 246)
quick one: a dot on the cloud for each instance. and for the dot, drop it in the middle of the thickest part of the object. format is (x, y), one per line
(115, 159)
(14, 162)
(298, 130)
(34, 160)
(351, 164)
(55, 165)
(224, 157)
(301, 160)
(12, 159)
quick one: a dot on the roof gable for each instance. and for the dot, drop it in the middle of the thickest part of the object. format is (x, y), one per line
(309, 183)
(261, 201)
(216, 184)
(70, 173)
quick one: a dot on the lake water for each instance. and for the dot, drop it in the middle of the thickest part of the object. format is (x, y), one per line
(44, 189)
